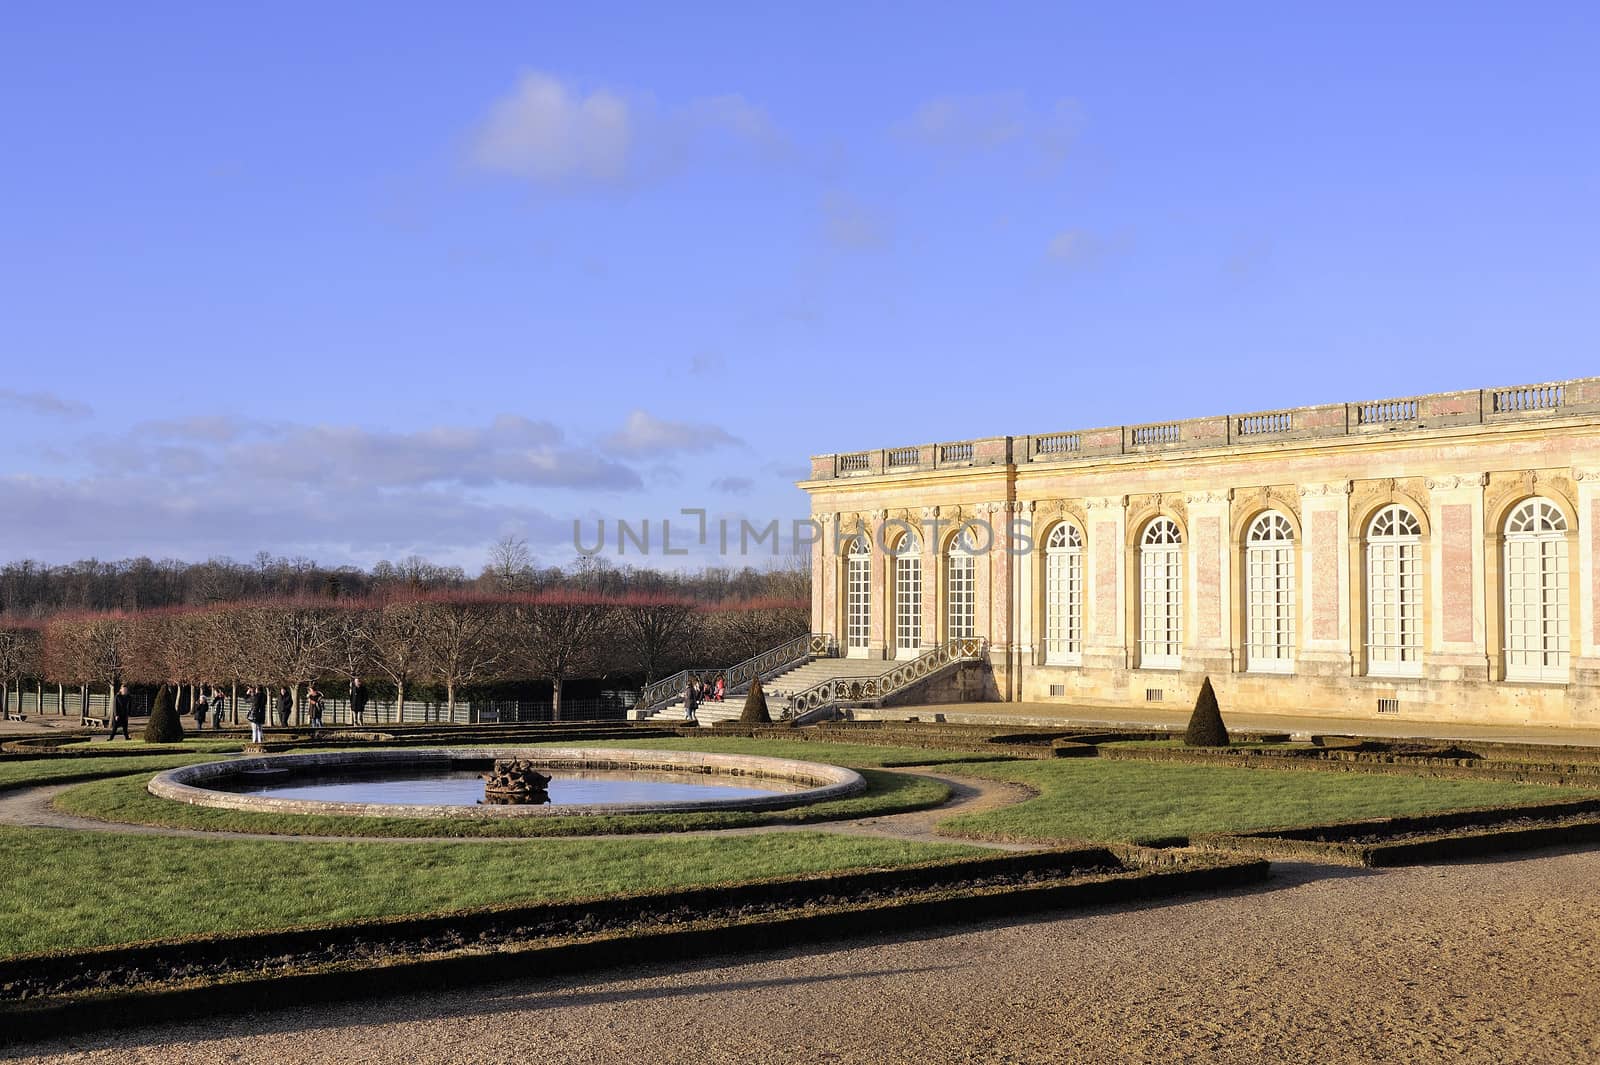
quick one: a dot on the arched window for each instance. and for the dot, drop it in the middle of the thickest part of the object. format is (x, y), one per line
(1063, 596)
(961, 587)
(1538, 608)
(1394, 593)
(908, 596)
(1269, 594)
(1161, 595)
(858, 598)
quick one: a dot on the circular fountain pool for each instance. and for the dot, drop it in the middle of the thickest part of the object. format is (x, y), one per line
(449, 783)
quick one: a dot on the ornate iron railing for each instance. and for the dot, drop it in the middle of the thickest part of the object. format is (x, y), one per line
(737, 678)
(904, 674)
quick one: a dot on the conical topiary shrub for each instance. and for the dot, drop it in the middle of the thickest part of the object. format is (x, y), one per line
(755, 706)
(164, 725)
(1205, 724)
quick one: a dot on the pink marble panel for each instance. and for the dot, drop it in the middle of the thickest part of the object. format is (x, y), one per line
(1594, 575)
(1208, 590)
(1325, 575)
(1105, 579)
(1456, 519)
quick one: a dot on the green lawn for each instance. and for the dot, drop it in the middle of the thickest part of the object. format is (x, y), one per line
(1099, 800)
(125, 799)
(62, 769)
(73, 889)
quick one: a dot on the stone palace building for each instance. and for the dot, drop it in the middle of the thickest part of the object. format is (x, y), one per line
(1431, 557)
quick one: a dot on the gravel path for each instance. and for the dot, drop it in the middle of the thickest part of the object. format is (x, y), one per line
(1473, 962)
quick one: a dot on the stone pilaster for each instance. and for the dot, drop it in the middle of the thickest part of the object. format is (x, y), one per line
(1585, 697)
(1105, 637)
(1456, 647)
(1208, 606)
(1324, 588)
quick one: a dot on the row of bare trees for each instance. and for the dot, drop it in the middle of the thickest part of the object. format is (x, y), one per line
(448, 641)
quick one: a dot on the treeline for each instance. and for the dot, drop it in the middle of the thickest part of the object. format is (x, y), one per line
(30, 589)
(450, 641)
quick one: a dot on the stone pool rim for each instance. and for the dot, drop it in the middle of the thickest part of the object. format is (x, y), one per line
(188, 784)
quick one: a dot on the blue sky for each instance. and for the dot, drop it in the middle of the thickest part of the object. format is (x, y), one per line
(361, 280)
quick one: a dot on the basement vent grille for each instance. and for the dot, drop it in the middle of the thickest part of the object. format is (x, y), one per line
(1154, 695)
(1058, 689)
(1388, 706)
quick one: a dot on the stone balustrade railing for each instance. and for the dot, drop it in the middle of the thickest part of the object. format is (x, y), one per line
(1438, 410)
(737, 678)
(836, 690)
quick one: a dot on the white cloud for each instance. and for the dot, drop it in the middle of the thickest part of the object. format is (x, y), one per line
(733, 486)
(544, 131)
(645, 434)
(971, 125)
(1080, 247)
(556, 135)
(45, 404)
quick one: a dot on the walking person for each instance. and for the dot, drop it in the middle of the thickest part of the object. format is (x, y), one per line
(202, 700)
(691, 700)
(358, 701)
(121, 707)
(219, 703)
(314, 705)
(258, 713)
(285, 705)
(258, 704)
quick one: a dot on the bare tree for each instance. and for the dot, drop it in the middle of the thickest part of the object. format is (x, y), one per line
(21, 651)
(399, 649)
(655, 631)
(295, 640)
(558, 636)
(460, 636)
(510, 566)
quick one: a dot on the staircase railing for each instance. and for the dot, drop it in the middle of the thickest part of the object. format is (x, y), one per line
(737, 678)
(904, 674)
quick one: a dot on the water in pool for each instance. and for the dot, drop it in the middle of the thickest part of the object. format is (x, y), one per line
(464, 787)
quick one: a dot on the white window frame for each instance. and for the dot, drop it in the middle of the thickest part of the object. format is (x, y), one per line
(1269, 595)
(961, 589)
(1063, 596)
(858, 598)
(1394, 593)
(1161, 595)
(908, 597)
(1536, 576)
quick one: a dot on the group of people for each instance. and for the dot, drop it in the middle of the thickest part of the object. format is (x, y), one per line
(697, 691)
(211, 700)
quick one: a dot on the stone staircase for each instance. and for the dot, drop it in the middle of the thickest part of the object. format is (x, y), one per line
(796, 679)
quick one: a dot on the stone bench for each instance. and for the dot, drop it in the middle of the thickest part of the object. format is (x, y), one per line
(96, 722)
(14, 715)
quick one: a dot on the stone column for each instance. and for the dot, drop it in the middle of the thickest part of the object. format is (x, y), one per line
(1324, 585)
(1105, 637)
(1456, 647)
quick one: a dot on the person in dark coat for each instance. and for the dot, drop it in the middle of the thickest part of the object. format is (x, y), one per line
(691, 700)
(285, 705)
(219, 703)
(258, 712)
(121, 708)
(358, 701)
(202, 702)
(314, 705)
